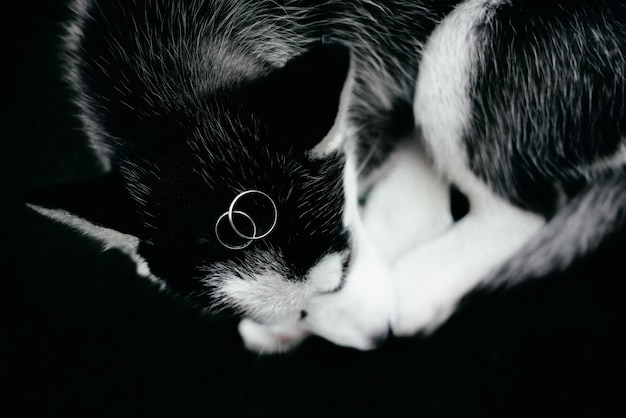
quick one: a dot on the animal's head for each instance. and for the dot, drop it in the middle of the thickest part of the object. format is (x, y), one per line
(245, 196)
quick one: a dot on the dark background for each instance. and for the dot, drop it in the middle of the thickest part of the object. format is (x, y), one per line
(86, 337)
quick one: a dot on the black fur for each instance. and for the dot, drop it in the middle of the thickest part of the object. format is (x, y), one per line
(548, 98)
(184, 169)
(195, 102)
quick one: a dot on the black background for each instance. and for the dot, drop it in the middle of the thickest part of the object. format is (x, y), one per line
(86, 337)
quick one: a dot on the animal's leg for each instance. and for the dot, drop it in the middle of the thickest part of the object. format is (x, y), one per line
(409, 206)
(431, 279)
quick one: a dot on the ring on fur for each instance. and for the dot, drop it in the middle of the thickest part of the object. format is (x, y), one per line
(252, 233)
(229, 246)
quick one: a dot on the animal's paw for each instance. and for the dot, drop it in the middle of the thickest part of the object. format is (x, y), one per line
(424, 298)
(270, 339)
(417, 315)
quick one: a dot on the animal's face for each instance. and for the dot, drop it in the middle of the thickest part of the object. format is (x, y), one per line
(246, 198)
(255, 231)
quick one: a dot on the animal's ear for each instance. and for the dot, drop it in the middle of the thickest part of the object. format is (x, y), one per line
(304, 102)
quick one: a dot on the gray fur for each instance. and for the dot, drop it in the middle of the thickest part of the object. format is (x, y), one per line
(522, 105)
(220, 44)
(578, 229)
(548, 120)
(519, 103)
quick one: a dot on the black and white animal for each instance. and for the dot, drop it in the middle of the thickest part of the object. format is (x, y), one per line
(245, 133)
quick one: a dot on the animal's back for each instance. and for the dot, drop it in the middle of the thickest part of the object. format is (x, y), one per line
(155, 56)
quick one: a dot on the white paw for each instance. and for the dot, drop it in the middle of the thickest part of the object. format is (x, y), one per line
(420, 314)
(419, 306)
(270, 339)
(426, 292)
(409, 206)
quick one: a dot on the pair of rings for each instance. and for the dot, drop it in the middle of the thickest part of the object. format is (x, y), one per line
(244, 228)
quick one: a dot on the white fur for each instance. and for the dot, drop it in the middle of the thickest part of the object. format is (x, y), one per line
(407, 207)
(355, 316)
(267, 339)
(351, 213)
(431, 279)
(261, 291)
(441, 105)
(359, 314)
(406, 222)
(325, 276)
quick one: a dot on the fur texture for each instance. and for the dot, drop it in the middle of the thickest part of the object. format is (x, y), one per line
(194, 102)
(517, 103)
(521, 104)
